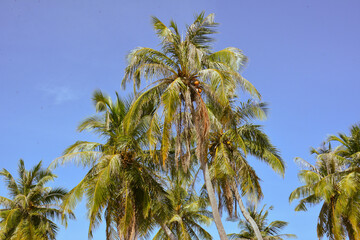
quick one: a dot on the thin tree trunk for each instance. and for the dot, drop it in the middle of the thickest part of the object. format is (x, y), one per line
(213, 203)
(202, 128)
(168, 232)
(132, 230)
(246, 213)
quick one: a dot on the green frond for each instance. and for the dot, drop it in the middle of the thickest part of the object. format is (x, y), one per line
(171, 101)
(247, 179)
(251, 110)
(97, 193)
(304, 164)
(246, 85)
(335, 138)
(101, 101)
(309, 177)
(91, 123)
(81, 153)
(258, 144)
(232, 57)
(10, 183)
(144, 61)
(198, 32)
(162, 31)
(151, 95)
(5, 202)
(300, 192)
(349, 184)
(219, 82)
(153, 132)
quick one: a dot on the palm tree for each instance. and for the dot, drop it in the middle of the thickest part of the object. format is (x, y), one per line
(327, 182)
(268, 231)
(187, 214)
(348, 152)
(29, 212)
(231, 139)
(185, 73)
(121, 182)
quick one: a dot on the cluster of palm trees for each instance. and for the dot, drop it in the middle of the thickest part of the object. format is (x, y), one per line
(186, 119)
(334, 182)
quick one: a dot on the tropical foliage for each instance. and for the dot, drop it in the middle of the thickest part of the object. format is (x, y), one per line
(120, 183)
(183, 75)
(269, 231)
(30, 211)
(184, 119)
(334, 182)
(188, 212)
(232, 138)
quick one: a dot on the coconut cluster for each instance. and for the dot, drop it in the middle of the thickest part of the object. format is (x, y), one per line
(196, 84)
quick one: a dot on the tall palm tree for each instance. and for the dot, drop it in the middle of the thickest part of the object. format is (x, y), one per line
(29, 212)
(121, 182)
(184, 73)
(327, 182)
(269, 231)
(231, 139)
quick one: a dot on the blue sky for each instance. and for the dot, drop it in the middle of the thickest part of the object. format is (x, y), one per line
(304, 60)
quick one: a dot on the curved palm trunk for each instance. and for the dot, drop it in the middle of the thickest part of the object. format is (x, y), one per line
(246, 213)
(168, 232)
(213, 202)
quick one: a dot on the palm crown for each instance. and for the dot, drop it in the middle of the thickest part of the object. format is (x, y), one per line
(29, 212)
(269, 231)
(330, 183)
(188, 210)
(120, 182)
(183, 73)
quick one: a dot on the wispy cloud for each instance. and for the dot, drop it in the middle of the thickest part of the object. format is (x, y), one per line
(59, 94)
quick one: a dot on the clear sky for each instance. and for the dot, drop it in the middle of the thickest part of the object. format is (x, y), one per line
(304, 59)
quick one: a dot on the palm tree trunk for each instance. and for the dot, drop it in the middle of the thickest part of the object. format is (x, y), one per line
(213, 203)
(202, 127)
(168, 232)
(133, 233)
(246, 213)
(350, 230)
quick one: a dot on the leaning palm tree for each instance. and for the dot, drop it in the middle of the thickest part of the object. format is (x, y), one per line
(269, 231)
(327, 182)
(29, 212)
(183, 74)
(232, 138)
(121, 183)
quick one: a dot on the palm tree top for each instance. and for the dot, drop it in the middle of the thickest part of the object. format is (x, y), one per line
(189, 58)
(32, 206)
(269, 231)
(332, 182)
